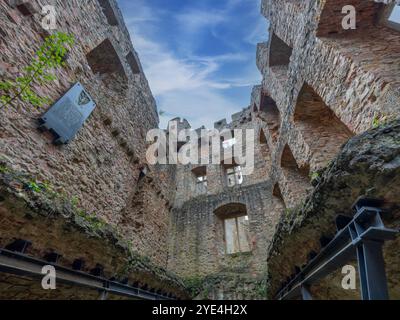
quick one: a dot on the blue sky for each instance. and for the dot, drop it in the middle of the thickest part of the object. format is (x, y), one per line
(199, 56)
(395, 15)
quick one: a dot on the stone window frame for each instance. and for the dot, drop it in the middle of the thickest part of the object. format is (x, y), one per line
(26, 8)
(270, 116)
(278, 43)
(234, 175)
(239, 230)
(234, 212)
(109, 12)
(104, 59)
(200, 174)
(315, 121)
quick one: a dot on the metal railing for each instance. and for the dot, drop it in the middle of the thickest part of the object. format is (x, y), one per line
(361, 237)
(20, 264)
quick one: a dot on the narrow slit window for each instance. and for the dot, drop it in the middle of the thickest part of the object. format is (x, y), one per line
(200, 174)
(235, 176)
(202, 180)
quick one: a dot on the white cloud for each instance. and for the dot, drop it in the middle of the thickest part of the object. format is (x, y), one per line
(195, 20)
(206, 106)
(166, 72)
(187, 87)
(259, 33)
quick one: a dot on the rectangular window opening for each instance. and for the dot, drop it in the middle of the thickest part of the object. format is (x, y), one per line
(237, 235)
(200, 175)
(235, 176)
(229, 143)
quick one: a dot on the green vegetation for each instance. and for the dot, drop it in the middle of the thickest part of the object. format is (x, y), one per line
(375, 122)
(314, 175)
(381, 121)
(49, 56)
(47, 190)
(194, 285)
(32, 185)
(3, 169)
(261, 288)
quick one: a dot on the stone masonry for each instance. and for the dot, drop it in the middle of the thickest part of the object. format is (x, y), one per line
(100, 170)
(326, 132)
(321, 87)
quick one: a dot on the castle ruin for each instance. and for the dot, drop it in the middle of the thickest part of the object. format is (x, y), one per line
(326, 167)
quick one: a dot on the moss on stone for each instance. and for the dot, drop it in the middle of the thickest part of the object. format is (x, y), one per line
(44, 201)
(367, 166)
(227, 285)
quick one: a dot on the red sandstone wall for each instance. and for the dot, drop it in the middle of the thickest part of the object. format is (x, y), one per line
(101, 166)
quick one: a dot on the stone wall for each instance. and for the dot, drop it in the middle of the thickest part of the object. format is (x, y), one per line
(336, 85)
(352, 85)
(318, 91)
(321, 87)
(101, 171)
(97, 199)
(197, 245)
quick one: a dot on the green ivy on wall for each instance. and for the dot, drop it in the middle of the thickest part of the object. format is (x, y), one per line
(49, 56)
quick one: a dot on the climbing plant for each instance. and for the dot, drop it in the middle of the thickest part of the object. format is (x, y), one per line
(49, 56)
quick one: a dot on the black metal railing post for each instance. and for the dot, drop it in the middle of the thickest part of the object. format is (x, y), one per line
(371, 266)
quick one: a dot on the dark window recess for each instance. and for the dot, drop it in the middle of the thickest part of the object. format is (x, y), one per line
(105, 60)
(19, 245)
(26, 9)
(52, 257)
(131, 59)
(98, 271)
(143, 173)
(67, 115)
(109, 12)
(280, 52)
(78, 264)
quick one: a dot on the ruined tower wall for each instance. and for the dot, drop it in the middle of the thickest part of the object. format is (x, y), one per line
(329, 85)
(321, 87)
(346, 78)
(198, 241)
(187, 189)
(100, 168)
